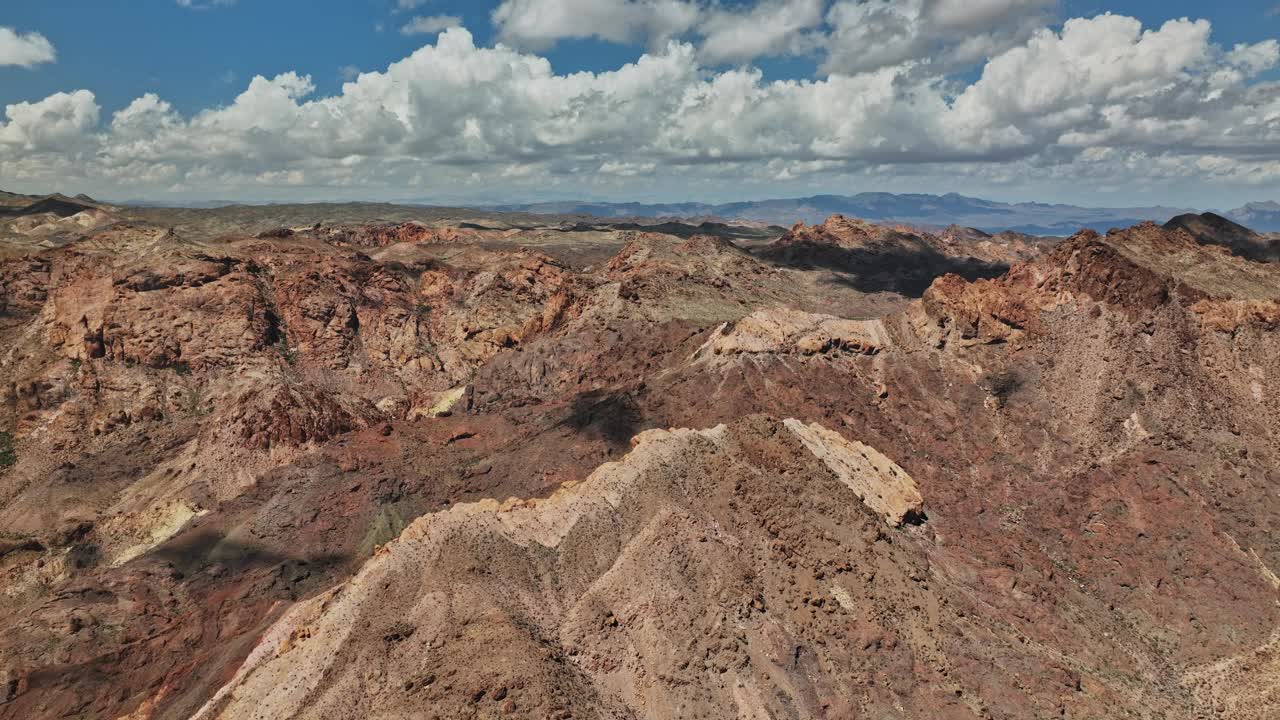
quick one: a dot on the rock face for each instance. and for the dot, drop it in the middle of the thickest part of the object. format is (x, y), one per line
(776, 331)
(877, 481)
(1138, 272)
(412, 470)
(684, 579)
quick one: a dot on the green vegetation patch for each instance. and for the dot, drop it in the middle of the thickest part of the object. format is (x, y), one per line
(8, 455)
(387, 526)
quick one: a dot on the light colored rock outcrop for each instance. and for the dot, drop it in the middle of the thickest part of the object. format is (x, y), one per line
(878, 481)
(786, 331)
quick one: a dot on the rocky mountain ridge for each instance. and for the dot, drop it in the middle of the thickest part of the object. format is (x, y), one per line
(440, 470)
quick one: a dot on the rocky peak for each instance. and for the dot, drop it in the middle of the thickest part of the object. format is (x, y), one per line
(1134, 271)
(1211, 229)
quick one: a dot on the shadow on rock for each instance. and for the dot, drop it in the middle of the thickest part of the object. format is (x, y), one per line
(908, 272)
(613, 417)
(205, 549)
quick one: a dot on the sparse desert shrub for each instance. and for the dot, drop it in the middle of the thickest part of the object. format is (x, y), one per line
(8, 455)
(387, 526)
(1001, 383)
(195, 403)
(287, 352)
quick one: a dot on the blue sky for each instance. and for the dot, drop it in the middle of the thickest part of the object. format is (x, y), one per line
(198, 59)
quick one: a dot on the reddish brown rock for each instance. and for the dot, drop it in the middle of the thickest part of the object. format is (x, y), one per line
(1065, 507)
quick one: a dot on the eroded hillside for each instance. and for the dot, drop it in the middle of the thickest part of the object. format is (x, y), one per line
(465, 470)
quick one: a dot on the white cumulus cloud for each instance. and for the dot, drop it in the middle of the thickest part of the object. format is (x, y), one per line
(430, 24)
(538, 24)
(1102, 102)
(943, 34)
(53, 123)
(25, 49)
(771, 27)
(846, 35)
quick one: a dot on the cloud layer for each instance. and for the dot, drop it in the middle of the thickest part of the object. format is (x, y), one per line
(847, 35)
(1101, 101)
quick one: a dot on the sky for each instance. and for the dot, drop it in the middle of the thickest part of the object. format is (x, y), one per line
(1095, 102)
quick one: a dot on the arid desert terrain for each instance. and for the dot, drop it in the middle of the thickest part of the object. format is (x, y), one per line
(366, 461)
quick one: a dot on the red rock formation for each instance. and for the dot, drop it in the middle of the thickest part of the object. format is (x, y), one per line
(301, 475)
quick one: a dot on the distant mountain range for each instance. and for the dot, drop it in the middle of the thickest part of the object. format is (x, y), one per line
(58, 204)
(921, 210)
(1260, 216)
(911, 209)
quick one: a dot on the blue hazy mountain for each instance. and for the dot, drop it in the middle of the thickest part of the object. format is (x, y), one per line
(915, 209)
(1260, 216)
